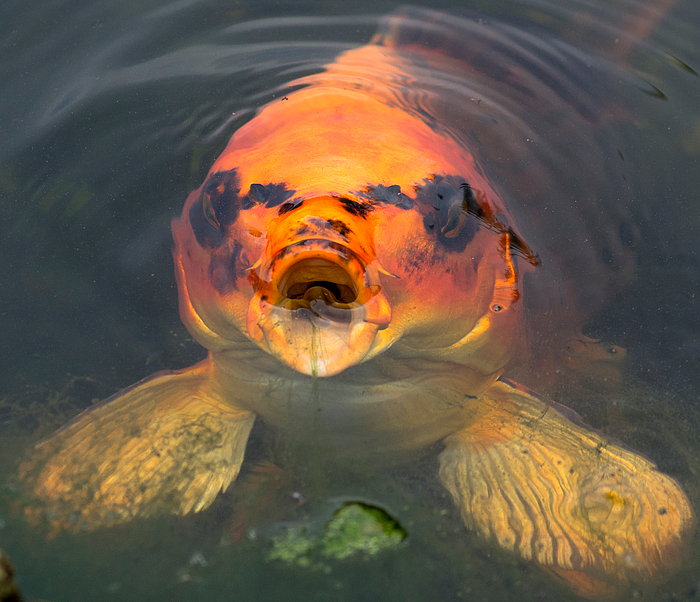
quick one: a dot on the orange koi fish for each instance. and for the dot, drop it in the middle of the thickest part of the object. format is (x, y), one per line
(360, 281)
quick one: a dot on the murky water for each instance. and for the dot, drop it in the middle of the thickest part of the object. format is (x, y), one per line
(112, 113)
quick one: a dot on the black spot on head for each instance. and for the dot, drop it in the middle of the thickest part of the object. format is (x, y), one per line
(446, 211)
(452, 211)
(257, 193)
(290, 206)
(390, 195)
(469, 201)
(206, 234)
(270, 195)
(340, 227)
(221, 192)
(358, 208)
(220, 203)
(216, 208)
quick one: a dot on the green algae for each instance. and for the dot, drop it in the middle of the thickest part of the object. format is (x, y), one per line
(360, 529)
(356, 530)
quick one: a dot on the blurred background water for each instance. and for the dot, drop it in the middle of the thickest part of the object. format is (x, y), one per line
(112, 112)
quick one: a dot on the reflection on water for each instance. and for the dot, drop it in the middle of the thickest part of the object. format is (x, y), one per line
(114, 116)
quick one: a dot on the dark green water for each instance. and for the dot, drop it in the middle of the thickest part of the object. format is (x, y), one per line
(112, 112)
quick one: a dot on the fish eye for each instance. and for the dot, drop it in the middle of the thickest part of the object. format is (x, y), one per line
(216, 208)
(446, 212)
(220, 203)
(209, 212)
(456, 216)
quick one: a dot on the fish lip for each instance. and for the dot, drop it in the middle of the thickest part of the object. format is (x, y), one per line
(315, 332)
(332, 263)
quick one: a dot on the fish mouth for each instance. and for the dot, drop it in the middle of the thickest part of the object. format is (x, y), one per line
(318, 308)
(317, 282)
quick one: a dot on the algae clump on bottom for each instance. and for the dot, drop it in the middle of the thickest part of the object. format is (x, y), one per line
(356, 529)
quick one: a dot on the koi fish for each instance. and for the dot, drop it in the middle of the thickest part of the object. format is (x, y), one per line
(360, 280)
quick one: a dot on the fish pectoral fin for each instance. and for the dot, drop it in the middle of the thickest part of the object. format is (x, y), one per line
(592, 511)
(168, 444)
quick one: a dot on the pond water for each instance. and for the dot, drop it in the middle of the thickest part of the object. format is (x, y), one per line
(111, 113)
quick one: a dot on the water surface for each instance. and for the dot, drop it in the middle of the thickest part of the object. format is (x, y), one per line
(113, 112)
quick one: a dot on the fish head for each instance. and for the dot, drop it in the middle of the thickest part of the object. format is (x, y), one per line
(335, 227)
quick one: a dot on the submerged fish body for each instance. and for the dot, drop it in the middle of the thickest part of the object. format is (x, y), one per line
(379, 256)
(362, 279)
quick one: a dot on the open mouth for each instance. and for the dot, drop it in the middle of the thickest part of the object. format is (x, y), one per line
(317, 279)
(319, 307)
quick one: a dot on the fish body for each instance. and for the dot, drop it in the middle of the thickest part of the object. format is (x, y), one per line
(358, 267)
(361, 282)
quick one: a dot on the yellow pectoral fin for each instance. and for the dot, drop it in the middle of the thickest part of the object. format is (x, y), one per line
(592, 511)
(168, 444)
